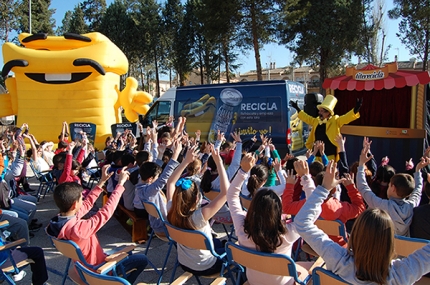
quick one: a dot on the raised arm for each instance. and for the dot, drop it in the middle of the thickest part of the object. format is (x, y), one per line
(415, 196)
(305, 219)
(213, 207)
(191, 155)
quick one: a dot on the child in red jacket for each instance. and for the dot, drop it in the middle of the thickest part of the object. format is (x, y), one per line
(69, 224)
(332, 209)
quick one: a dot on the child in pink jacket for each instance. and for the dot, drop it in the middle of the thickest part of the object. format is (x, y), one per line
(69, 224)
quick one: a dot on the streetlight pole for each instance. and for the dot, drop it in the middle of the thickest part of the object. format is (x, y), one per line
(29, 15)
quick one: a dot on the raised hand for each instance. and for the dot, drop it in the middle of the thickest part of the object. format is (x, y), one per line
(329, 180)
(349, 179)
(291, 178)
(365, 155)
(295, 105)
(236, 137)
(301, 167)
(123, 176)
(277, 165)
(248, 162)
(423, 163)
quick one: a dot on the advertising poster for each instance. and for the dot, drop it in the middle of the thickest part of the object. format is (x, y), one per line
(76, 130)
(247, 113)
(121, 127)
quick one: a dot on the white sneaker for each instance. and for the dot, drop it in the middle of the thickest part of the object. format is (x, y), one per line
(19, 276)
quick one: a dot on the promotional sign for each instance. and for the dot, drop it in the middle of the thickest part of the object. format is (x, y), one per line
(120, 128)
(248, 110)
(77, 129)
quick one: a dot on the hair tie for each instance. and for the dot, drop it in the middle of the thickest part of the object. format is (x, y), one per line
(270, 161)
(385, 161)
(409, 165)
(208, 168)
(184, 183)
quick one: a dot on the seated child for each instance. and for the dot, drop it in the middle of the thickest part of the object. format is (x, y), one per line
(69, 224)
(403, 193)
(150, 187)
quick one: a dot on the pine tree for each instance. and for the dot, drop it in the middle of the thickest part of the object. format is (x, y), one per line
(77, 23)
(414, 26)
(321, 33)
(41, 17)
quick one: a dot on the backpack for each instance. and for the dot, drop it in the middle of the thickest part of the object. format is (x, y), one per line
(4, 195)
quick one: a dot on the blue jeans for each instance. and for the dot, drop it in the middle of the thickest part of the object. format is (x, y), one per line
(137, 261)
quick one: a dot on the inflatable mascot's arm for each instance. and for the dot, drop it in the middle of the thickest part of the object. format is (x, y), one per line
(134, 102)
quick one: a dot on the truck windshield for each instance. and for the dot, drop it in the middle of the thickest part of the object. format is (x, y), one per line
(160, 112)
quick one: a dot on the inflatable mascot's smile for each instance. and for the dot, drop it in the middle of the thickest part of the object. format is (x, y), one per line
(73, 78)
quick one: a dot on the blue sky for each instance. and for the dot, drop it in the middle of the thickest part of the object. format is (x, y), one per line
(271, 52)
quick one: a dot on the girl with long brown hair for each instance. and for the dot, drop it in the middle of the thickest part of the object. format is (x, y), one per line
(184, 199)
(369, 258)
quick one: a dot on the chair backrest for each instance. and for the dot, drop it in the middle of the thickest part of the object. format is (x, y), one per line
(34, 169)
(405, 246)
(93, 278)
(211, 194)
(69, 249)
(332, 228)
(321, 276)
(270, 263)
(153, 210)
(190, 238)
(246, 202)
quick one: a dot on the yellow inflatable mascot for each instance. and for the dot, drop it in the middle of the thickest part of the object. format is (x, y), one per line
(73, 78)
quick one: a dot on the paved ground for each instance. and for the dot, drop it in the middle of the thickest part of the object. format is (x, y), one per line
(111, 235)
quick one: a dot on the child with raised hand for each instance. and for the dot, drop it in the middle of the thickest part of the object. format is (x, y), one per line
(261, 227)
(369, 256)
(404, 193)
(332, 208)
(186, 212)
(153, 179)
(70, 225)
(258, 177)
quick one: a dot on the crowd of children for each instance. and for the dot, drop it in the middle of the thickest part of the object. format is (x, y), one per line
(175, 171)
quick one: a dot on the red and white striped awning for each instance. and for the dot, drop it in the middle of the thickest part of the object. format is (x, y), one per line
(398, 79)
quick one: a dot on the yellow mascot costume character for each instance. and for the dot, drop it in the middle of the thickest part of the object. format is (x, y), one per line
(73, 78)
(327, 125)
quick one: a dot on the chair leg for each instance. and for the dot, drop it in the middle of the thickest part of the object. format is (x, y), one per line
(172, 277)
(149, 242)
(66, 272)
(165, 262)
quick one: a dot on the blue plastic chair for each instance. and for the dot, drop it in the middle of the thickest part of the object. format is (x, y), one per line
(6, 253)
(46, 181)
(197, 240)
(270, 263)
(154, 211)
(321, 276)
(72, 251)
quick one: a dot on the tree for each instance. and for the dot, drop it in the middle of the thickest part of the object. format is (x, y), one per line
(321, 33)
(414, 26)
(216, 26)
(146, 15)
(65, 27)
(93, 13)
(8, 19)
(259, 18)
(77, 23)
(370, 46)
(120, 28)
(177, 38)
(41, 17)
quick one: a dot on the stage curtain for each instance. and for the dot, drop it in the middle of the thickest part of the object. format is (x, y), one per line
(382, 108)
